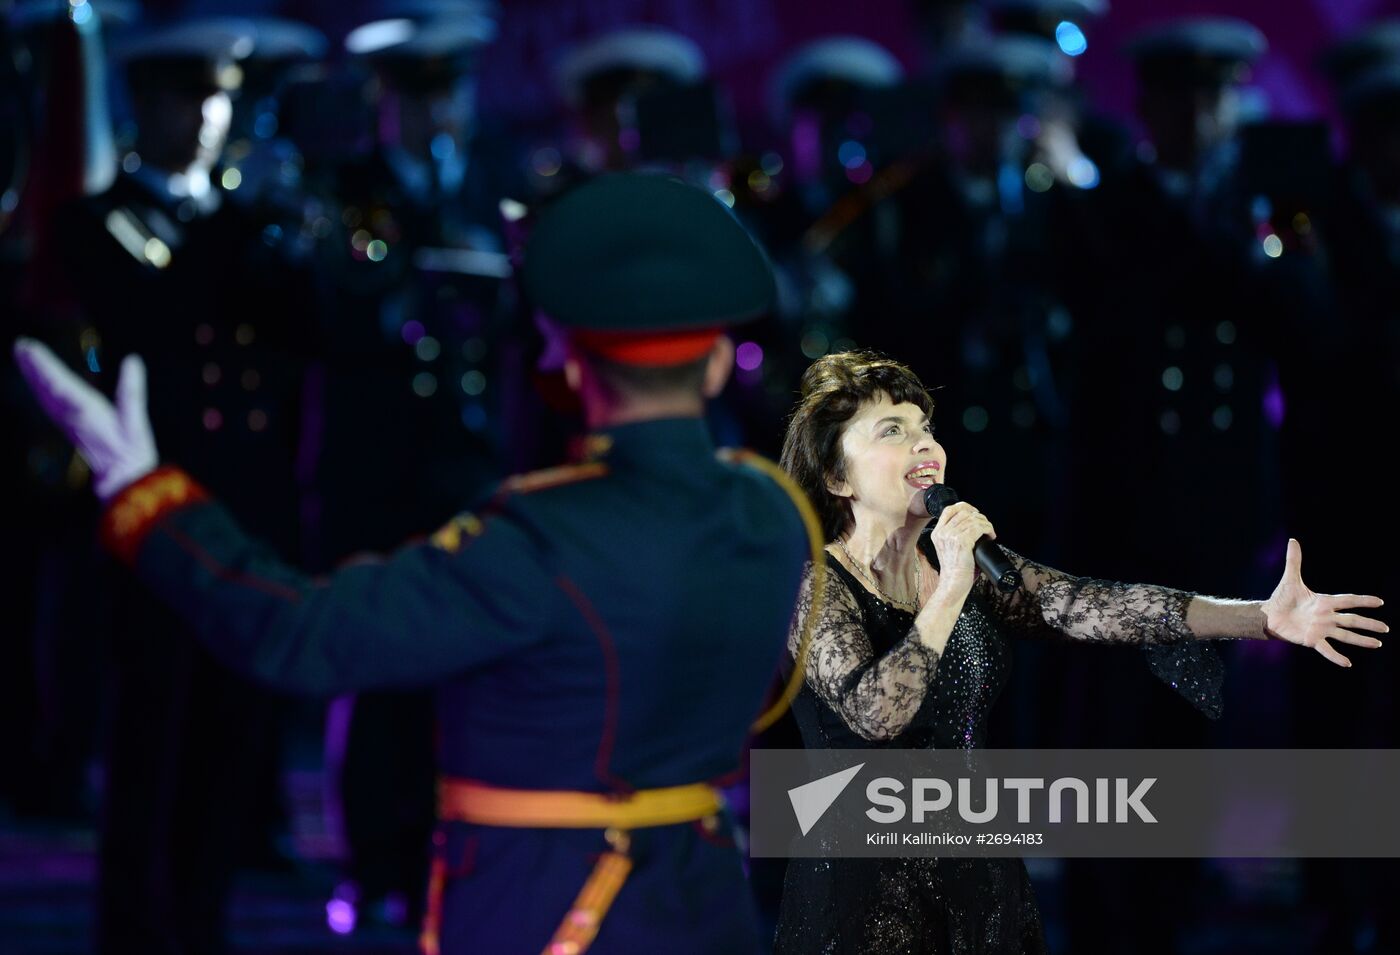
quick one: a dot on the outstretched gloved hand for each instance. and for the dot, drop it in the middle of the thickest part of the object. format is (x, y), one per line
(115, 440)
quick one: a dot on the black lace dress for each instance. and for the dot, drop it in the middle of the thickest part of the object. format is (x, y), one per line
(871, 684)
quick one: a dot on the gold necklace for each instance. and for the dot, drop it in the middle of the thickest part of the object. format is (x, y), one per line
(910, 605)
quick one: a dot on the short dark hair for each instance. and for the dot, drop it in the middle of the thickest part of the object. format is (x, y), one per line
(833, 390)
(629, 382)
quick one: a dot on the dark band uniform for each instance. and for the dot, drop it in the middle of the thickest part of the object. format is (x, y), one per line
(602, 634)
(196, 284)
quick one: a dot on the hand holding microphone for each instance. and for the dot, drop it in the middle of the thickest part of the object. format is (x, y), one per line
(960, 527)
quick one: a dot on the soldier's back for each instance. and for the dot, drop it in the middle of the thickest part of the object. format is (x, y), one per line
(674, 574)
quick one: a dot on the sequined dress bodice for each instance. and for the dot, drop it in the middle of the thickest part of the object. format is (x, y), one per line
(871, 683)
(967, 679)
(916, 905)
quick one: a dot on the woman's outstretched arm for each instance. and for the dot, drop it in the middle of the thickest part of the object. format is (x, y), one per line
(1082, 608)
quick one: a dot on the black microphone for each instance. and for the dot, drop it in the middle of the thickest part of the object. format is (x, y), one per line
(990, 558)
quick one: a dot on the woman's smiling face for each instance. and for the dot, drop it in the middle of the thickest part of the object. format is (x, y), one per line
(890, 458)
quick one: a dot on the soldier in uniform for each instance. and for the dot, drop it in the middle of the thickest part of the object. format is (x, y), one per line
(55, 145)
(816, 204)
(267, 164)
(604, 79)
(414, 328)
(1352, 338)
(1346, 364)
(1167, 312)
(982, 226)
(1071, 129)
(165, 267)
(1173, 444)
(601, 635)
(410, 269)
(637, 98)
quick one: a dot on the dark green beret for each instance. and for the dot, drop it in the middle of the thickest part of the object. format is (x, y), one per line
(637, 252)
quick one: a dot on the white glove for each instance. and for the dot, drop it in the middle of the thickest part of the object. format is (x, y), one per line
(114, 440)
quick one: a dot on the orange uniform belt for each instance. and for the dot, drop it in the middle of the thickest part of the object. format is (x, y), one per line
(464, 800)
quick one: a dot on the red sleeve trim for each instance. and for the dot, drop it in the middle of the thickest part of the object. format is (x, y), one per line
(136, 510)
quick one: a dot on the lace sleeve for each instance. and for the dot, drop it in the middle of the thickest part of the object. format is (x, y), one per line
(1052, 603)
(876, 696)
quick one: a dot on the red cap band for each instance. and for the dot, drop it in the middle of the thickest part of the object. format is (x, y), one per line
(648, 348)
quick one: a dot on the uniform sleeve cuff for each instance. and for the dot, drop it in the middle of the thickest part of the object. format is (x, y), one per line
(138, 508)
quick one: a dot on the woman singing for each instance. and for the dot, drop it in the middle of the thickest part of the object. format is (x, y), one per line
(911, 653)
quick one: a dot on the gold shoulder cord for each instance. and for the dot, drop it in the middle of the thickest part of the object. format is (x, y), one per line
(818, 546)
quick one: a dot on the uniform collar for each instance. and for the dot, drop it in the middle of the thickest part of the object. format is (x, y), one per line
(681, 438)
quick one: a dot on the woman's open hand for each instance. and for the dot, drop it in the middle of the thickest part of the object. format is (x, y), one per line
(1296, 614)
